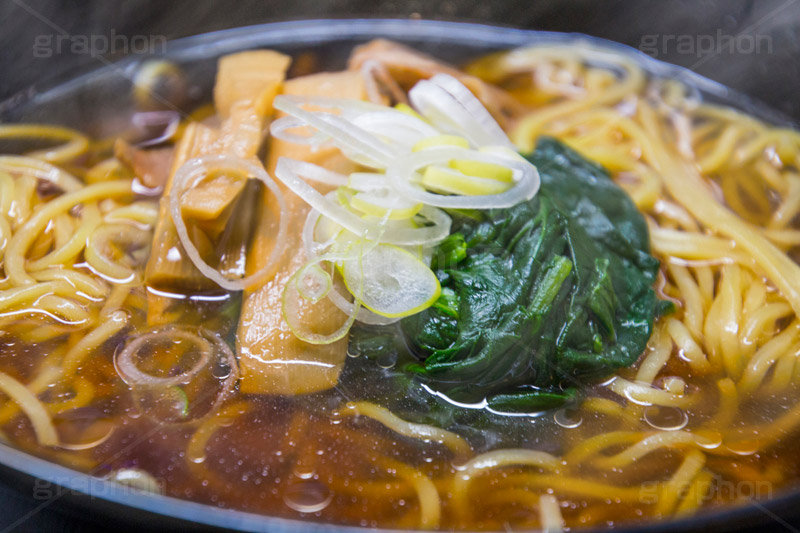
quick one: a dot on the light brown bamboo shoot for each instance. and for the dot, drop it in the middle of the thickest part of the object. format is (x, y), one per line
(246, 85)
(272, 359)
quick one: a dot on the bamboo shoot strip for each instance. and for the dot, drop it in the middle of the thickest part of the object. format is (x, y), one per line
(246, 84)
(272, 359)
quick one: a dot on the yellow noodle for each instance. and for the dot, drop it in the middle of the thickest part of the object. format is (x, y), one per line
(528, 129)
(673, 489)
(31, 167)
(430, 503)
(38, 334)
(784, 238)
(111, 325)
(730, 302)
(550, 514)
(789, 207)
(660, 349)
(119, 293)
(603, 405)
(784, 371)
(80, 282)
(775, 137)
(75, 143)
(25, 190)
(772, 177)
(110, 169)
(612, 118)
(693, 306)
(783, 426)
(34, 409)
(5, 236)
(456, 443)
(766, 356)
(687, 186)
(696, 247)
(142, 212)
(696, 495)
(761, 323)
(23, 238)
(677, 213)
(705, 282)
(565, 485)
(745, 197)
(647, 194)
(196, 450)
(728, 404)
(645, 394)
(755, 297)
(100, 244)
(687, 346)
(6, 192)
(493, 460)
(65, 308)
(19, 296)
(650, 444)
(90, 219)
(712, 333)
(721, 152)
(84, 393)
(63, 228)
(674, 385)
(597, 443)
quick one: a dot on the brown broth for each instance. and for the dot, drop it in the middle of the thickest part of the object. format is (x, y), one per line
(304, 457)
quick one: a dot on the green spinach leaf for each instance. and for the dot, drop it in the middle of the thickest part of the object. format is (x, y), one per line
(540, 298)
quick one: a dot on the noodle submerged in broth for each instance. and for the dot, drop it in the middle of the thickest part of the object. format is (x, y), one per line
(272, 325)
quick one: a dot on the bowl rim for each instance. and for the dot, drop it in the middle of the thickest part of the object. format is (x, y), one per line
(318, 31)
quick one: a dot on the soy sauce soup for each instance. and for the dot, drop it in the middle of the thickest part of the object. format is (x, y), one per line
(188, 315)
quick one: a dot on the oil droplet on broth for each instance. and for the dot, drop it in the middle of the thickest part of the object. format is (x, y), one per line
(304, 470)
(743, 447)
(567, 418)
(353, 352)
(709, 439)
(221, 370)
(665, 418)
(197, 459)
(307, 496)
(387, 359)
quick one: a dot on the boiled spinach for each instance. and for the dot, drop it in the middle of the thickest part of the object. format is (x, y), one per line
(539, 298)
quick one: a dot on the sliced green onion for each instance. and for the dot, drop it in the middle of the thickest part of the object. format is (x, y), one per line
(288, 171)
(313, 283)
(408, 110)
(448, 181)
(404, 176)
(482, 169)
(440, 140)
(367, 181)
(379, 205)
(394, 282)
(292, 303)
(378, 229)
(451, 107)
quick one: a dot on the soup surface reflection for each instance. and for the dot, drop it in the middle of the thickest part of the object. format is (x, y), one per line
(267, 322)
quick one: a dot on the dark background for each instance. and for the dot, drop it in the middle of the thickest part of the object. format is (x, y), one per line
(770, 73)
